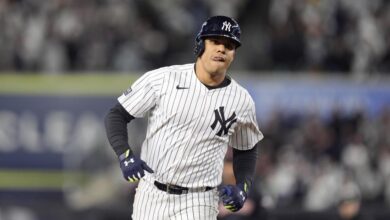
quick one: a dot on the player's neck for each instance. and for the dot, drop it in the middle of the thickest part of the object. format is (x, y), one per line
(207, 78)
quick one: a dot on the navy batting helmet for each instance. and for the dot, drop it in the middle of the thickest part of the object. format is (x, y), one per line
(221, 26)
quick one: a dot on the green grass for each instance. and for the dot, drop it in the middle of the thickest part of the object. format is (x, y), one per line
(66, 84)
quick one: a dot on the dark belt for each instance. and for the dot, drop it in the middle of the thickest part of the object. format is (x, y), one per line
(178, 190)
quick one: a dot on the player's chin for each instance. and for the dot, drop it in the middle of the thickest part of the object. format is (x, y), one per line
(220, 66)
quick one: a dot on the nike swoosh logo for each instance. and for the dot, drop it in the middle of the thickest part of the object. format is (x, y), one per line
(179, 87)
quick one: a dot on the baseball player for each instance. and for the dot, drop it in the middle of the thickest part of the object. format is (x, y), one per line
(195, 111)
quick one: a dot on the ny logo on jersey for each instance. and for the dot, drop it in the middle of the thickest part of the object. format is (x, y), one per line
(225, 124)
(226, 26)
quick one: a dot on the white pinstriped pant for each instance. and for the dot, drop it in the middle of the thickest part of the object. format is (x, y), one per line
(151, 203)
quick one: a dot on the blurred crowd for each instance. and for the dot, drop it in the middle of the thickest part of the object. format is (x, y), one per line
(346, 36)
(324, 155)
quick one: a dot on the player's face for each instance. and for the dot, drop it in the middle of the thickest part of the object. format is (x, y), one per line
(218, 55)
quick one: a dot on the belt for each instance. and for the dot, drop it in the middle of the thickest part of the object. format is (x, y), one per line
(178, 190)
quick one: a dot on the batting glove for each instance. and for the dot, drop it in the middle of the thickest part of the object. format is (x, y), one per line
(133, 168)
(234, 196)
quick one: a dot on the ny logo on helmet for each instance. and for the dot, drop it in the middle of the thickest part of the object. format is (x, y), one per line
(226, 26)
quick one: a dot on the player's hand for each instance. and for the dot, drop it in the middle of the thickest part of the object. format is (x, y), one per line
(133, 168)
(234, 196)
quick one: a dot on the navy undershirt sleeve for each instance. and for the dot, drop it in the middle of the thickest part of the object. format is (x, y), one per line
(116, 122)
(244, 164)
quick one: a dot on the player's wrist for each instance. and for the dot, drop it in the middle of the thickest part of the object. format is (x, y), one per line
(245, 184)
(244, 188)
(128, 153)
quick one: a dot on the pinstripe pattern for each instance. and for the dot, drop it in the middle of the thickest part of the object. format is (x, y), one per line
(181, 145)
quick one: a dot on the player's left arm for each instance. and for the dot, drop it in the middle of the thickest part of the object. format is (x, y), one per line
(245, 149)
(244, 163)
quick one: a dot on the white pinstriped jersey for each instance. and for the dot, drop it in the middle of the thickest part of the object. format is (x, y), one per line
(190, 126)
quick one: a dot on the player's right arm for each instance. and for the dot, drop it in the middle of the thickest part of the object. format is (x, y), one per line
(140, 98)
(133, 168)
(116, 122)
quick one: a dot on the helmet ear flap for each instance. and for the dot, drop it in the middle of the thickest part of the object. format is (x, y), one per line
(199, 47)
